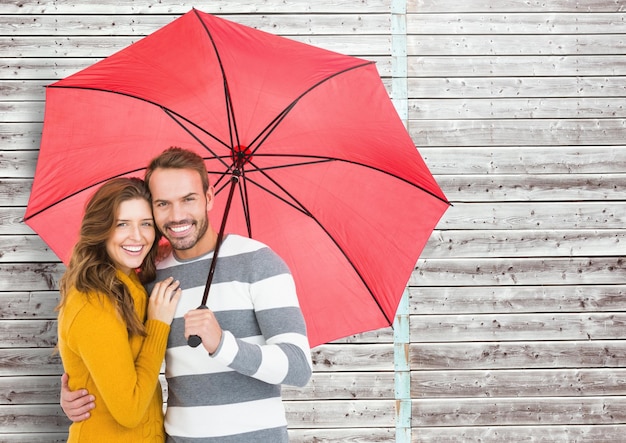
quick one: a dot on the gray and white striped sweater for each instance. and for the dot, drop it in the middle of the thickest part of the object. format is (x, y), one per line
(234, 395)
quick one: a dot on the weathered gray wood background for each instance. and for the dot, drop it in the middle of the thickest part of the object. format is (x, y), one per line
(517, 322)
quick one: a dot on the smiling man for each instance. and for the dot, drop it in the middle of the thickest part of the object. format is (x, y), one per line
(253, 334)
(180, 202)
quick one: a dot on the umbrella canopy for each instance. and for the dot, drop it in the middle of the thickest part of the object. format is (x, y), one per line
(328, 176)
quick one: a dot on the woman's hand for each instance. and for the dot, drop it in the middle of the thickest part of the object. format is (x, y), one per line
(76, 404)
(163, 300)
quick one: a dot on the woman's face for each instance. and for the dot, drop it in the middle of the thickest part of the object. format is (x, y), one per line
(133, 235)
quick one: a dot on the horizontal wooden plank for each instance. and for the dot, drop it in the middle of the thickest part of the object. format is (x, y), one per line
(54, 67)
(30, 361)
(518, 271)
(183, 6)
(109, 24)
(19, 111)
(516, 23)
(520, 243)
(35, 437)
(332, 357)
(18, 164)
(433, 300)
(11, 221)
(461, 188)
(15, 192)
(519, 355)
(33, 90)
(425, 384)
(24, 248)
(515, 65)
(30, 390)
(28, 305)
(377, 336)
(518, 383)
(340, 414)
(475, 6)
(470, 108)
(322, 386)
(517, 87)
(536, 188)
(535, 215)
(480, 216)
(28, 333)
(613, 433)
(477, 108)
(530, 298)
(350, 435)
(326, 358)
(31, 277)
(22, 90)
(442, 244)
(23, 136)
(29, 88)
(498, 160)
(518, 132)
(571, 229)
(509, 44)
(42, 332)
(300, 415)
(103, 46)
(486, 271)
(449, 160)
(500, 327)
(435, 108)
(525, 189)
(519, 411)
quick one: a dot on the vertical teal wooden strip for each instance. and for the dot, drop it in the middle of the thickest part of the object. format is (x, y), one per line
(399, 94)
(402, 369)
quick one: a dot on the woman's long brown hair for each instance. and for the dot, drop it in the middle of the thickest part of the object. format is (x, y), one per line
(91, 270)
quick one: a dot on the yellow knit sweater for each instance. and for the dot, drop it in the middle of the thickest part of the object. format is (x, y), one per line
(121, 372)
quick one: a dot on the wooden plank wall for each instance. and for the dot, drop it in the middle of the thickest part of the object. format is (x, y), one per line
(351, 395)
(517, 324)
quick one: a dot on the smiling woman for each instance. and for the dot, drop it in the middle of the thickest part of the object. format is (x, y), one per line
(103, 340)
(133, 236)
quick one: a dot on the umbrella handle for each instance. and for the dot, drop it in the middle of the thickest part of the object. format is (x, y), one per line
(195, 340)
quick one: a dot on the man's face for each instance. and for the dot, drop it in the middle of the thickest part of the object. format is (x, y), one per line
(180, 209)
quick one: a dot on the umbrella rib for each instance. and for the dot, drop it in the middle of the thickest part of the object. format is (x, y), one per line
(320, 159)
(297, 205)
(302, 208)
(232, 123)
(243, 191)
(265, 133)
(176, 117)
(67, 197)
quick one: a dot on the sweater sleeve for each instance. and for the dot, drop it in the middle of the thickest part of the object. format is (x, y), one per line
(126, 385)
(285, 357)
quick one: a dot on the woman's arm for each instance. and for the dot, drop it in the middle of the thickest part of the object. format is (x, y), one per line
(125, 384)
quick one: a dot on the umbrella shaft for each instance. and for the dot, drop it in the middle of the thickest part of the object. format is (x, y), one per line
(220, 235)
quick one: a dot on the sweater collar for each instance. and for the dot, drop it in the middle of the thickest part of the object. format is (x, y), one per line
(131, 280)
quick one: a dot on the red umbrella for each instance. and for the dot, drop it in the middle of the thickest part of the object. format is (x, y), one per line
(328, 176)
